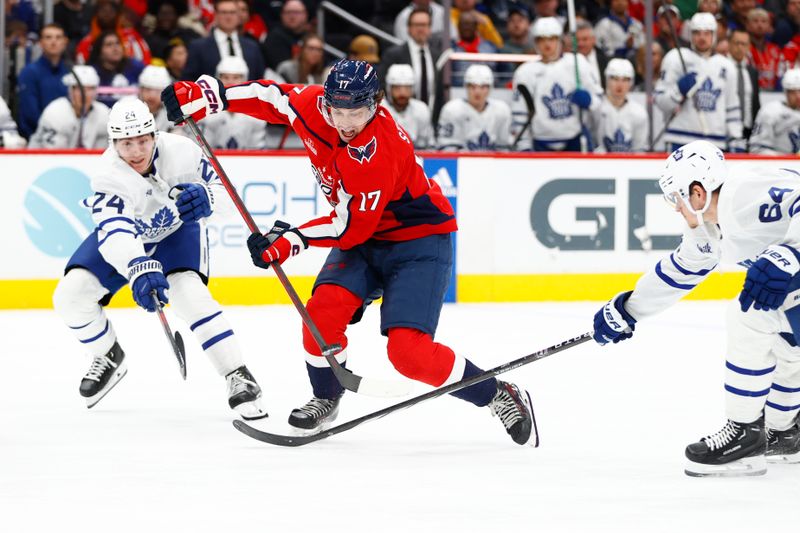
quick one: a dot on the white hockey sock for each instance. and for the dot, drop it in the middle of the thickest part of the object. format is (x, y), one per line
(783, 401)
(75, 300)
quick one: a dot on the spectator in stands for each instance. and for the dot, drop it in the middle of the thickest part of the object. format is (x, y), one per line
(113, 67)
(469, 41)
(618, 34)
(777, 126)
(152, 81)
(75, 17)
(739, 10)
(547, 8)
(167, 15)
(40, 82)
(665, 37)
(765, 56)
(477, 123)
(23, 11)
(283, 41)
(234, 131)
(518, 28)
(412, 114)
(308, 68)
(223, 41)
(658, 55)
(175, 56)
(364, 48)
(619, 124)
(9, 136)
(436, 11)
(745, 78)
(587, 46)
(484, 25)
(422, 54)
(251, 23)
(787, 29)
(108, 17)
(77, 120)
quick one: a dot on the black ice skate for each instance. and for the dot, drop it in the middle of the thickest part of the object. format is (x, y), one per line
(735, 450)
(513, 407)
(105, 372)
(316, 415)
(784, 446)
(244, 394)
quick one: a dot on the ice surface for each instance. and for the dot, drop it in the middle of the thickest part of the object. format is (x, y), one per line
(158, 454)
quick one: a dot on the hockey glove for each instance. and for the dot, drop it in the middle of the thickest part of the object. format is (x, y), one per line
(613, 323)
(581, 98)
(281, 242)
(686, 82)
(145, 275)
(194, 99)
(767, 281)
(195, 201)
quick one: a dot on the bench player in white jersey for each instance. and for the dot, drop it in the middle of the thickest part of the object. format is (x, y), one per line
(777, 126)
(153, 191)
(234, 131)
(752, 219)
(152, 81)
(76, 120)
(618, 124)
(704, 94)
(477, 123)
(412, 114)
(551, 82)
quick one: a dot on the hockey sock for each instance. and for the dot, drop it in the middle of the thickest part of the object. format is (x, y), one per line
(480, 393)
(75, 300)
(323, 380)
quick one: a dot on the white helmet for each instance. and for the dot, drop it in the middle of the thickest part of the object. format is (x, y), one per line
(86, 75)
(232, 65)
(791, 80)
(153, 77)
(703, 21)
(479, 75)
(547, 27)
(619, 68)
(130, 117)
(698, 161)
(400, 74)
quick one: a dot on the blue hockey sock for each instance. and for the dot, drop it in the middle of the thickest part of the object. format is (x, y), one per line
(480, 393)
(324, 382)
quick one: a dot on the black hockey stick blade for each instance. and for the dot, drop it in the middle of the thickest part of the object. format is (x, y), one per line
(526, 95)
(301, 440)
(176, 341)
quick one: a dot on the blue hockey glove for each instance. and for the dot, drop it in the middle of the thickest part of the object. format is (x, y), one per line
(581, 98)
(280, 243)
(613, 323)
(767, 281)
(195, 201)
(145, 275)
(686, 82)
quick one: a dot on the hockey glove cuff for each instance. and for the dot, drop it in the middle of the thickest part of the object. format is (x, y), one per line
(145, 275)
(194, 201)
(194, 99)
(613, 323)
(767, 281)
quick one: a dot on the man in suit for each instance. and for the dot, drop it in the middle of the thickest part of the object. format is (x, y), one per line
(224, 41)
(745, 78)
(587, 46)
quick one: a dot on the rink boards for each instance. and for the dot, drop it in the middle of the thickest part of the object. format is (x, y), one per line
(532, 227)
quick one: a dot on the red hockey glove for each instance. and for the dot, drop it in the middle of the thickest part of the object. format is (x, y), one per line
(280, 243)
(194, 99)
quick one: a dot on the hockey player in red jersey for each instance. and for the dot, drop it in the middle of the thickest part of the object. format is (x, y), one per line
(389, 233)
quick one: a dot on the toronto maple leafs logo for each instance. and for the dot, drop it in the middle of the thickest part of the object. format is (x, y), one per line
(360, 153)
(794, 138)
(618, 143)
(161, 222)
(483, 142)
(558, 103)
(705, 99)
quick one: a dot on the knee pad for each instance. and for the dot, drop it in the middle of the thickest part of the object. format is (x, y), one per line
(414, 354)
(189, 296)
(77, 295)
(331, 307)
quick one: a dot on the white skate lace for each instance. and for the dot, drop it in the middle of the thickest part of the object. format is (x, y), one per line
(504, 407)
(238, 383)
(723, 436)
(99, 366)
(317, 407)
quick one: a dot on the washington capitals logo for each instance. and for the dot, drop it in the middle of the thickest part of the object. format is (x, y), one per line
(558, 103)
(618, 143)
(360, 153)
(483, 142)
(706, 97)
(794, 137)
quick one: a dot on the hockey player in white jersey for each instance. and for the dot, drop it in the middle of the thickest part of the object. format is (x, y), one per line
(412, 114)
(152, 194)
(704, 93)
(619, 124)
(557, 99)
(777, 126)
(77, 120)
(477, 123)
(152, 81)
(758, 214)
(234, 131)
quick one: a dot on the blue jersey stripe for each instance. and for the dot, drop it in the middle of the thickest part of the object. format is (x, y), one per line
(204, 320)
(748, 371)
(682, 270)
(112, 232)
(748, 393)
(105, 330)
(671, 282)
(216, 338)
(781, 388)
(782, 407)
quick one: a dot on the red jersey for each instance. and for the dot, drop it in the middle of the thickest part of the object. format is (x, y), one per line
(375, 183)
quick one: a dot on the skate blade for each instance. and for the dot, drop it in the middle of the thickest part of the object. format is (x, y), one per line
(120, 373)
(747, 466)
(303, 432)
(786, 459)
(251, 410)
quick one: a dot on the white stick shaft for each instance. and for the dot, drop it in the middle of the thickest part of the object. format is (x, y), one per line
(571, 15)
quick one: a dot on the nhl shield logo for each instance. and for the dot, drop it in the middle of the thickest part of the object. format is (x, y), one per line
(365, 152)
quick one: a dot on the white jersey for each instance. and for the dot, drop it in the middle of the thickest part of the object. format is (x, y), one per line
(462, 127)
(8, 128)
(551, 85)
(612, 35)
(621, 129)
(712, 111)
(59, 127)
(756, 209)
(416, 120)
(234, 131)
(776, 130)
(131, 210)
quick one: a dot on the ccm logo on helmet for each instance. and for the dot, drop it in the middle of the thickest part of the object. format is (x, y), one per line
(211, 96)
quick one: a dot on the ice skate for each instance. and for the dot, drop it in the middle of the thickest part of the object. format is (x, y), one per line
(784, 446)
(513, 407)
(316, 415)
(105, 372)
(244, 394)
(735, 450)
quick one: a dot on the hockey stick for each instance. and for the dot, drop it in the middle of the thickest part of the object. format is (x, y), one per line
(82, 119)
(348, 380)
(290, 440)
(175, 340)
(526, 95)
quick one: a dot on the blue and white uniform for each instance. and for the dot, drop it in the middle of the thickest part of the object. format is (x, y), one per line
(619, 129)
(462, 127)
(776, 130)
